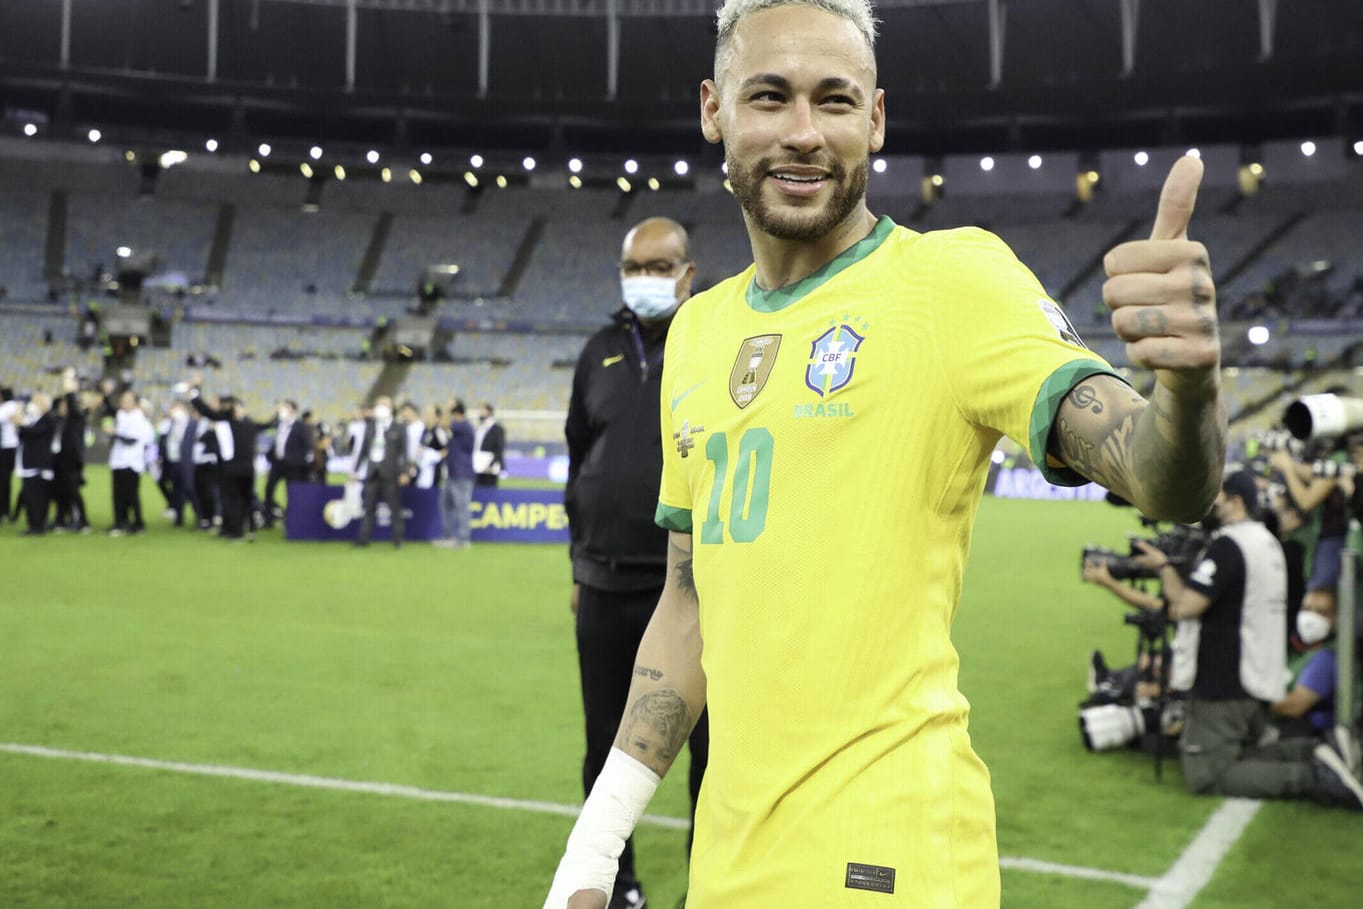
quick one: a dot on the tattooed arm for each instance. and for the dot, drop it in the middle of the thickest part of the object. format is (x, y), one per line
(668, 690)
(1164, 455)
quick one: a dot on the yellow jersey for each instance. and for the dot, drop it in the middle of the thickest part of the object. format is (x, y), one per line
(826, 445)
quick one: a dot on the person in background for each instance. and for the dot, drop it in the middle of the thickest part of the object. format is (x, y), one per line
(619, 555)
(288, 455)
(69, 466)
(381, 464)
(456, 493)
(132, 434)
(36, 428)
(489, 447)
(9, 451)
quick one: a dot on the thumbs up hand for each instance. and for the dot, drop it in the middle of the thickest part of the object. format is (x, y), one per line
(1161, 293)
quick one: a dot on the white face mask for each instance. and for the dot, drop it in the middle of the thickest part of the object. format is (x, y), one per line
(1312, 627)
(649, 297)
(285, 415)
(383, 413)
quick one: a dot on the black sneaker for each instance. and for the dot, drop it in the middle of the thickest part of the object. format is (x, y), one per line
(1333, 783)
(628, 896)
(1097, 672)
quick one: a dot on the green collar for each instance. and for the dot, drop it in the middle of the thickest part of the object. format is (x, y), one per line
(778, 299)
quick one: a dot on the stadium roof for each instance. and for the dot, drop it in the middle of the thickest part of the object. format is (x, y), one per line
(561, 76)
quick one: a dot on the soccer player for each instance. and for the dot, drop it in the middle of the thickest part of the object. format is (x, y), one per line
(827, 419)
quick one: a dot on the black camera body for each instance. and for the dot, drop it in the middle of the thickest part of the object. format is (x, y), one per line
(1180, 544)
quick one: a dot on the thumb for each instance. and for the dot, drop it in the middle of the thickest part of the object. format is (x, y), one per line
(1177, 199)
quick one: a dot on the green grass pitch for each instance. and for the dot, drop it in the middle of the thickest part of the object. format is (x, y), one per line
(456, 671)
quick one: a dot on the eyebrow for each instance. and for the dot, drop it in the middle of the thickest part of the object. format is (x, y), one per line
(832, 83)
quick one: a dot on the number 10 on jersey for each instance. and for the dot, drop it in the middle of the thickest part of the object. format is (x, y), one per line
(751, 482)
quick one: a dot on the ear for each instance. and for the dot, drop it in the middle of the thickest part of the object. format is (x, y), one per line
(709, 112)
(877, 138)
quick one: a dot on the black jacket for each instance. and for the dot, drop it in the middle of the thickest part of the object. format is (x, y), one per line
(615, 460)
(297, 446)
(72, 454)
(35, 442)
(244, 433)
(394, 463)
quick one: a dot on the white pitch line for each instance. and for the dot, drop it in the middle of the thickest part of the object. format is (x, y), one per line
(393, 790)
(1195, 867)
(1011, 863)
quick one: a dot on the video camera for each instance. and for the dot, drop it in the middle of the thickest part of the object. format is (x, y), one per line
(1181, 544)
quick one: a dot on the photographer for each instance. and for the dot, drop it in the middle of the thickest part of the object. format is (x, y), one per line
(1238, 592)
(1316, 489)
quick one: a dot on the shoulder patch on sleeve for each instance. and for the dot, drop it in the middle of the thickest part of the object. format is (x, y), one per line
(1060, 322)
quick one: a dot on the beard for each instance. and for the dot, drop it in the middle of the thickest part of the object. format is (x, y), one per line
(790, 223)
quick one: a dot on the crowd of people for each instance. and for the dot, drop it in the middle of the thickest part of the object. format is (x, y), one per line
(1248, 682)
(204, 454)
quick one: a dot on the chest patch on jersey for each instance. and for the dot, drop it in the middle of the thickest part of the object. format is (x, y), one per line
(752, 368)
(832, 358)
(869, 877)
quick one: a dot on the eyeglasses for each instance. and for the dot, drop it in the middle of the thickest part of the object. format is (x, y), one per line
(656, 268)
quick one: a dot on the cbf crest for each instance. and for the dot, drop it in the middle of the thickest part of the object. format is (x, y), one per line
(752, 367)
(832, 359)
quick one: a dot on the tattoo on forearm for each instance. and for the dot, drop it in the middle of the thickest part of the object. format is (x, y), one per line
(1084, 396)
(648, 672)
(656, 727)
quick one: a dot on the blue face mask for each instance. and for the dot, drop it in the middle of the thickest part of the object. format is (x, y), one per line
(649, 297)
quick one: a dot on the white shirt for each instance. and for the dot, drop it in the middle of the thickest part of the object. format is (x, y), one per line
(9, 433)
(131, 455)
(281, 437)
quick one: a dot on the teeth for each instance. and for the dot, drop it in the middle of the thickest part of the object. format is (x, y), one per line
(794, 179)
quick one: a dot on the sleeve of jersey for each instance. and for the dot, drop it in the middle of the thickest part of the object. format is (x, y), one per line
(1010, 351)
(674, 495)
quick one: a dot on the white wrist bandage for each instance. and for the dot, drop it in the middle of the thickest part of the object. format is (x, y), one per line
(591, 859)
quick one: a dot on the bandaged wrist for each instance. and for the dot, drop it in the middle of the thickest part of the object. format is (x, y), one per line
(619, 796)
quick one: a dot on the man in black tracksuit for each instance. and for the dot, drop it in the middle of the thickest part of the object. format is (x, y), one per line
(619, 555)
(69, 467)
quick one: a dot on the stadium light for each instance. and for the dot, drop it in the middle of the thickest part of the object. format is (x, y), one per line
(415, 176)
(211, 145)
(986, 164)
(879, 165)
(1034, 162)
(426, 158)
(501, 181)
(306, 169)
(653, 184)
(1142, 159)
(575, 165)
(1194, 153)
(1258, 335)
(94, 135)
(938, 180)
(1308, 148)
(123, 252)
(724, 168)
(386, 175)
(339, 171)
(172, 158)
(315, 153)
(264, 150)
(681, 168)
(476, 160)
(1358, 146)
(30, 130)
(623, 184)
(528, 163)
(631, 166)
(471, 178)
(372, 156)
(130, 156)
(575, 181)
(728, 187)
(254, 166)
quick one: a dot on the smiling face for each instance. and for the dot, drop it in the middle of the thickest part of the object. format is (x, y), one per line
(796, 106)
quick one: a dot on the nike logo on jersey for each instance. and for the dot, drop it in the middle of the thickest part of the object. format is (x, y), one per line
(682, 397)
(611, 361)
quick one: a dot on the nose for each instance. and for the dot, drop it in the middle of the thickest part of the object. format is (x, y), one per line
(802, 132)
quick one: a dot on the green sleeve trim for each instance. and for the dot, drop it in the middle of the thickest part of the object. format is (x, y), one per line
(674, 519)
(1053, 391)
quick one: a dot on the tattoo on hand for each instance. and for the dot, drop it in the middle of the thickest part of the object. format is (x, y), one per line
(656, 727)
(1152, 323)
(648, 672)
